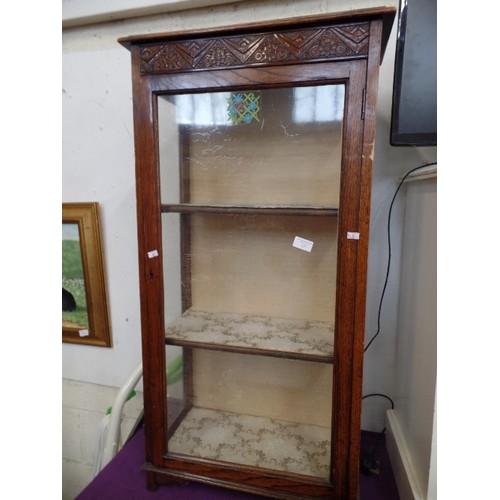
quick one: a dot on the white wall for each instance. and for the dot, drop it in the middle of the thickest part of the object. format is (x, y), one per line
(98, 165)
(411, 426)
(417, 342)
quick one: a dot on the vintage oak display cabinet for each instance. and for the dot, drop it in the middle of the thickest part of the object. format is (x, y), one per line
(254, 148)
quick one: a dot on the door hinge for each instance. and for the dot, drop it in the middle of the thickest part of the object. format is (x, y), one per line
(363, 104)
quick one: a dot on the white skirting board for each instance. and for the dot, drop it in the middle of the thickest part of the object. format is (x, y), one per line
(400, 460)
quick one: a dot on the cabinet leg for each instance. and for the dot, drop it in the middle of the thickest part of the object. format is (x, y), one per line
(152, 483)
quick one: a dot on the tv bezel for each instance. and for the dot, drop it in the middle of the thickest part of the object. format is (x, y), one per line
(398, 138)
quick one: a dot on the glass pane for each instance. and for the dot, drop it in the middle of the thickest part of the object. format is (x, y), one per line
(268, 147)
(176, 357)
(238, 280)
(258, 411)
(177, 398)
(250, 273)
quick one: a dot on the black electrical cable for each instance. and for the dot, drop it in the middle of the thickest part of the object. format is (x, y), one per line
(369, 462)
(381, 396)
(390, 249)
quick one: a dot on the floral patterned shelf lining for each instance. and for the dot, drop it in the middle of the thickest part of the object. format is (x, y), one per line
(300, 337)
(254, 441)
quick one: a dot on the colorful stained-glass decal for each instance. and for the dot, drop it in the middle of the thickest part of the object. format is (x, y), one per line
(243, 108)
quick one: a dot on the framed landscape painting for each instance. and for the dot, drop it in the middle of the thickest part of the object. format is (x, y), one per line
(84, 303)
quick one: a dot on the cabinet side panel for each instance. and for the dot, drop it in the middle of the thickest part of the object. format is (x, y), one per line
(362, 260)
(150, 269)
(347, 330)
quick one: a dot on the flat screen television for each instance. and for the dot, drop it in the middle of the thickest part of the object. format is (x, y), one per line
(414, 101)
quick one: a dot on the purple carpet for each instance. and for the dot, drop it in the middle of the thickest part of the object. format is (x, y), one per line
(123, 478)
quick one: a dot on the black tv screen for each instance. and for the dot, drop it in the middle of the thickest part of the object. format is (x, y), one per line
(414, 102)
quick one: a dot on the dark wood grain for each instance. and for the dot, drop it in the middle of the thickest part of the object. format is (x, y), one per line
(386, 14)
(249, 479)
(150, 269)
(251, 351)
(251, 78)
(348, 40)
(250, 210)
(346, 270)
(368, 147)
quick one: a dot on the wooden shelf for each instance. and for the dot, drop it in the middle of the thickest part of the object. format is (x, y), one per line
(254, 441)
(289, 338)
(188, 208)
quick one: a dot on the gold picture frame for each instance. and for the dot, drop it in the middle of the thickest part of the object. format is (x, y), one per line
(85, 317)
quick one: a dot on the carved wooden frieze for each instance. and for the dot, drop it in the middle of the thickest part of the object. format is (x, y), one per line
(224, 52)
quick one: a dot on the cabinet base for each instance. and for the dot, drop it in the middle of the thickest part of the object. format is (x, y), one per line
(270, 487)
(155, 479)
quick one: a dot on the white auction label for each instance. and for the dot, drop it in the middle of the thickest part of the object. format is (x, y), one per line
(302, 244)
(83, 333)
(352, 236)
(153, 253)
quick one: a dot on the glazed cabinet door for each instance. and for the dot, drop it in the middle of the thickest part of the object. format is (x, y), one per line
(250, 183)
